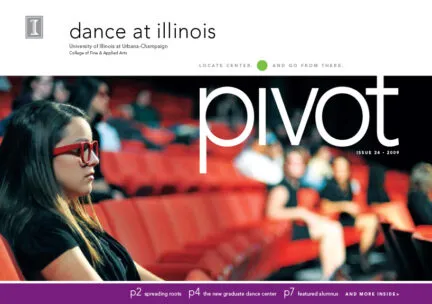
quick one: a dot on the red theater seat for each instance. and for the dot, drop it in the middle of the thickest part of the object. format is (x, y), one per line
(156, 219)
(198, 275)
(308, 198)
(158, 136)
(196, 229)
(396, 214)
(127, 227)
(119, 168)
(101, 216)
(9, 271)
(130, 231)
(158, 172)
(396, 184)
(132, 146)
(168, 247)
(355, 159)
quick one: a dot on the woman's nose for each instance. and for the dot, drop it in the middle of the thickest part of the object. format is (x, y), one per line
(94, 160)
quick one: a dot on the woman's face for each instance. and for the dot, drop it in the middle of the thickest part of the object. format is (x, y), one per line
(341, 170)
(73, 175)
(100, 102)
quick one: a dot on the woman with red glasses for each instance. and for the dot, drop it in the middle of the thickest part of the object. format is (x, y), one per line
(92, 96)
(48, 160)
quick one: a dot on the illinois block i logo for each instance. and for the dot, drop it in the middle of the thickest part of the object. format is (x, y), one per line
(34, 27)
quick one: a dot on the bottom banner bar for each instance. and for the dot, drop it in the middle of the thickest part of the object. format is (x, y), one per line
(107, 293)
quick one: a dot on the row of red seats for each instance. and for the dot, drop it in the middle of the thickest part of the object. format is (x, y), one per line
(159, 173)
(176, 170)
(408, 247)
(163, 137)
(9, 270)
(223, 235)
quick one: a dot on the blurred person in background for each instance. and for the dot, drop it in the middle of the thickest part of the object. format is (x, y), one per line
(92, 96)
(313, 140)
(262, 163)
(282, 205)
(318, 169)
(34, 88)
(419, 202)
(5, 84)
(109, 137)
(337, 198)
(143, 111)
(61, 91)
(128, 129)
(230, 111)
(48, 163)
(376, 192)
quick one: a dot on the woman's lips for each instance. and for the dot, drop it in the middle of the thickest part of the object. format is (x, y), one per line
(90, 176)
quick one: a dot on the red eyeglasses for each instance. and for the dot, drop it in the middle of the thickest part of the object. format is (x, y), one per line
(82, 149)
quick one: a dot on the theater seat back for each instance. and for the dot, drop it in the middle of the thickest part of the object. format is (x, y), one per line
(396, 214)
(180, 211)
(255, 204)
(100, 213)
(308, 198)
(157, 223)
(9, 271)
(198, 275)
(129, 231)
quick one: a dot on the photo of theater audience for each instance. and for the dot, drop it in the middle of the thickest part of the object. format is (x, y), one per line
(100, 182)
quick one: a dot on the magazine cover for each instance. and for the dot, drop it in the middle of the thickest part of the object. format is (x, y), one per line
(257, 152)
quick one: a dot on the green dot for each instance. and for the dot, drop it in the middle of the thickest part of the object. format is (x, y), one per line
(262, 65)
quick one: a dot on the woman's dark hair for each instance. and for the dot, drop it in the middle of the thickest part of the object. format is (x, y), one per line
(28, 184)
(85, 89)
(376, 192)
